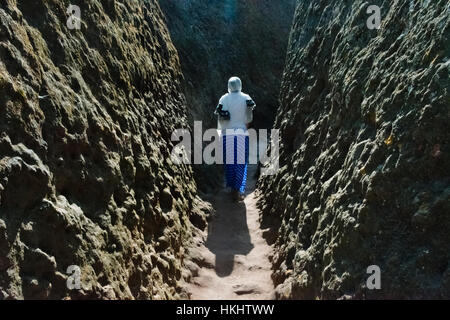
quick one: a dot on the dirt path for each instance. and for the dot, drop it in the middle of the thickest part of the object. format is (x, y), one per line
(234, 254)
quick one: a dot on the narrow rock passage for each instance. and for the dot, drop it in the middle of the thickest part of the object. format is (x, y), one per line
(233, 255)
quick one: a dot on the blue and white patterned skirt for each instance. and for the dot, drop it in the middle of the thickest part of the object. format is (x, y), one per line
(235, 159)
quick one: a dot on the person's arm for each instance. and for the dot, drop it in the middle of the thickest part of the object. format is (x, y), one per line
(222, 114)
(249, 111)
(218, 108)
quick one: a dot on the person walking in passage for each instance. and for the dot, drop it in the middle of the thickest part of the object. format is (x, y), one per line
(235, 113)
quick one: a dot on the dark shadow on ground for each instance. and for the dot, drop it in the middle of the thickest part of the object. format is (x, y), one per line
(228, 234)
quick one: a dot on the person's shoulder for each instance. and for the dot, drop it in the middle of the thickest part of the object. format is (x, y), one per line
(223, 97)
(246, 96)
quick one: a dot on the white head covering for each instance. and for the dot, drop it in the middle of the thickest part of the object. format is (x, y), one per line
(234, 84)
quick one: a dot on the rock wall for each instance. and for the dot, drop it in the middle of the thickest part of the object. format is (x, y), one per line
(364, 180)
(85, 173)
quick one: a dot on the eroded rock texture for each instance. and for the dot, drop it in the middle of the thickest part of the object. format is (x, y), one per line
(85, 173)
(364, 178)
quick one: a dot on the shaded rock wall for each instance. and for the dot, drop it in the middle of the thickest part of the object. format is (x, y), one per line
(364, 178)
(85, 173)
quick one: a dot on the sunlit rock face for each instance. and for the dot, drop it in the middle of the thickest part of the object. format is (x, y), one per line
(364, 179)
(219, 39)
(86, 178)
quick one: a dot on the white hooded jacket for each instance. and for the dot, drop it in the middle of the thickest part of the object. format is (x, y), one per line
(239, 105)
